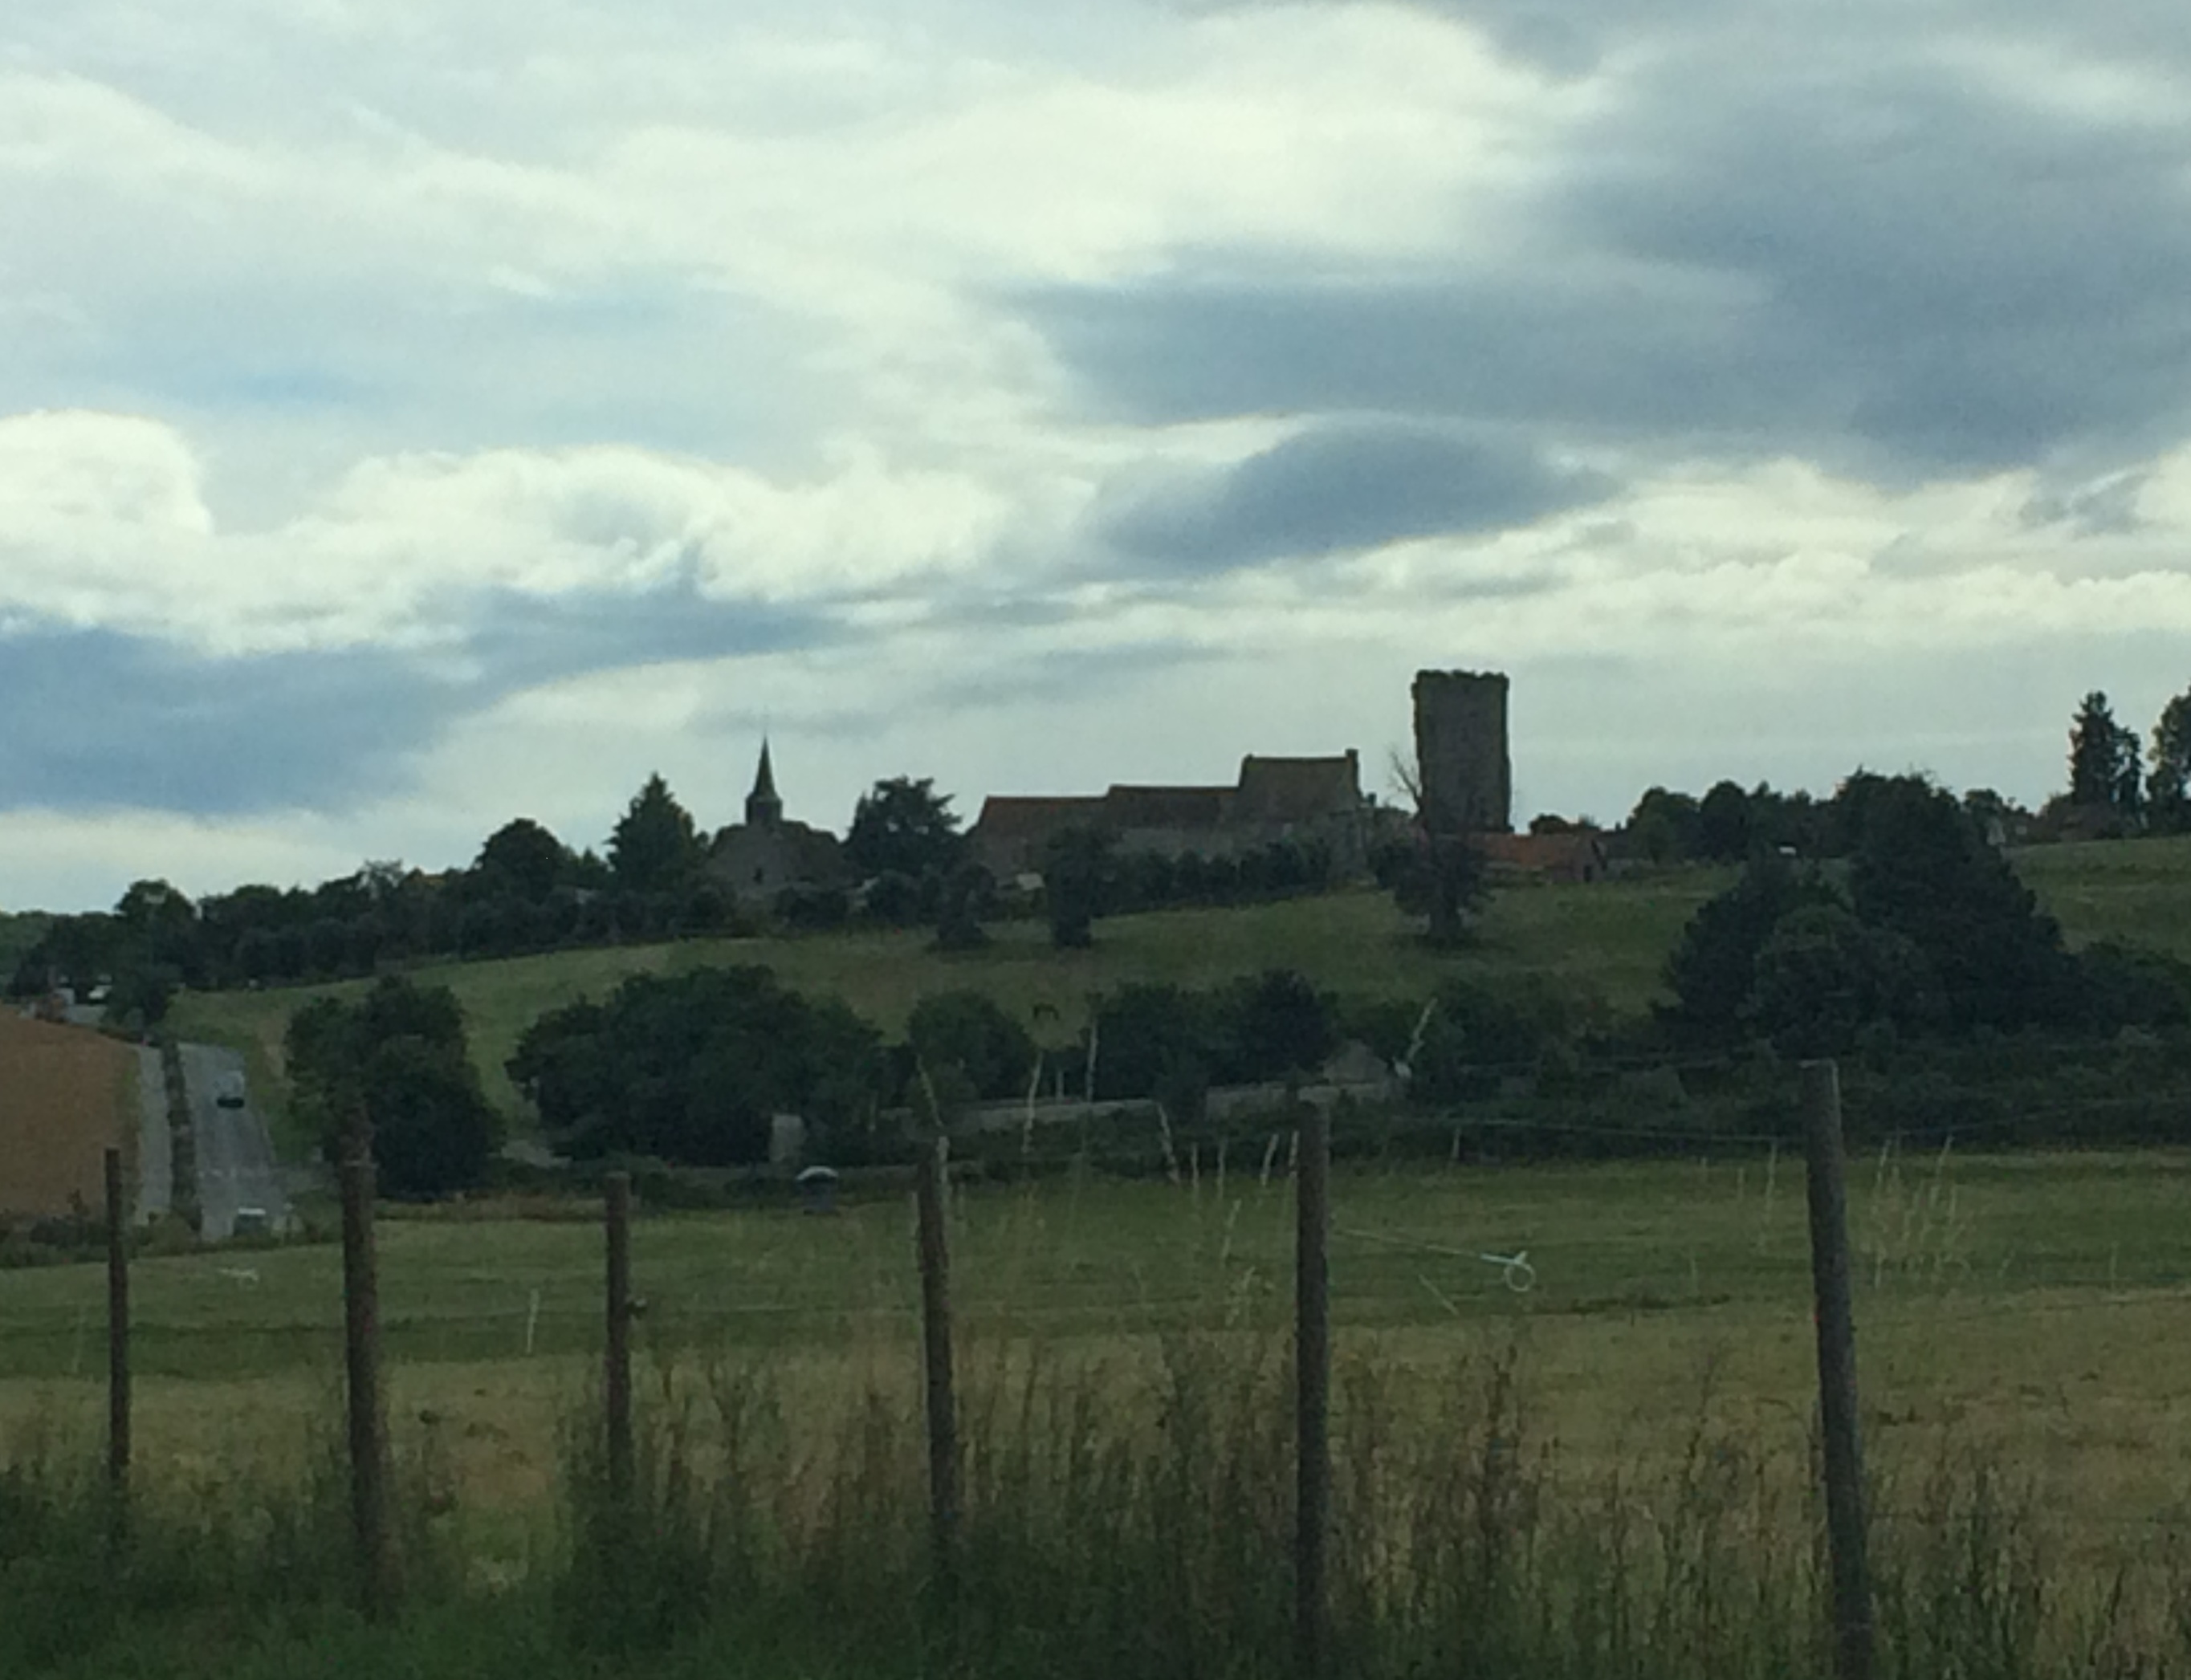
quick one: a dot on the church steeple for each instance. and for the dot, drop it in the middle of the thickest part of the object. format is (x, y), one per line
(763, 808)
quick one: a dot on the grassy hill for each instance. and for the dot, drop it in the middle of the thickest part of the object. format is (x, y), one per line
(1607, 942)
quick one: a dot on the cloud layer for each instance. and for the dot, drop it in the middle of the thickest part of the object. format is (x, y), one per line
(411, 414)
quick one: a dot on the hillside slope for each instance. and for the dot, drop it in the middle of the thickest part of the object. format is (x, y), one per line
(1607, 942)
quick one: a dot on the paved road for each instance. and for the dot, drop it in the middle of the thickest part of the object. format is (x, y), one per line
(156, 1146)
(235, 1158)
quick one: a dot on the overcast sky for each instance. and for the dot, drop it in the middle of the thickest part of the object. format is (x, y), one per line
(416, 414)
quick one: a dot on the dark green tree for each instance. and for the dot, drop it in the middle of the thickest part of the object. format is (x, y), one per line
(691, 1068)
(1473, 1037)
(398, 1058)
(1152, 1040)
(1274, 1025)
(2169, 786)
(1823, 978)
(904, 826)
(968, 894)
(1663, 826)
(1724, 829)
(1079, 876)
(522, 860)
(2104, 771)
(968, 1032)
(1922, 869)
(1442, 878)
(655, 848)
(1714, 967)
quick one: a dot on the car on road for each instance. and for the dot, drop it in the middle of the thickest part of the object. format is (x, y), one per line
(250, 1222)
(229, 1092)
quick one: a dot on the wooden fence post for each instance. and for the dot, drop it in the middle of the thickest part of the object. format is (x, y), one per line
(1827, 1184)
(368, 1433)
(616, 1376)
(117, 1352)
(943, 1490)
(1312, 1383)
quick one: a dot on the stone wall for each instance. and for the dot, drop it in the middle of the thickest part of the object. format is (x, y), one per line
(1461, 751)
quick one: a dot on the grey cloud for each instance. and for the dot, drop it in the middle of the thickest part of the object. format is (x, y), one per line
(1858, 259)
(1967, 283)
(1068, 674)
(1347, 486)
(2107, 507)
(520, 640)
(1574, 37)
(96, 719)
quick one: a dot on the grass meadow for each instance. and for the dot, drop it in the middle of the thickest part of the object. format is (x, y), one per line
(1606, 943)
(1604, 1473)
(2022, 1344)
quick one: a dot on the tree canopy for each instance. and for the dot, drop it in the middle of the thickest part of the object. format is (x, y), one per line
(904, 826)
(655, 847)
(2104, 771)
(522, 860)
(1080, 878)
(690, 1069)
(2169, 785)
(397, 1058)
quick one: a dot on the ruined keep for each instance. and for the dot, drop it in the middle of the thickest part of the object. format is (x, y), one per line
(1466, 776)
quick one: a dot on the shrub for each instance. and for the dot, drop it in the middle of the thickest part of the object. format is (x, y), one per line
(967, 1032)
(398, 1058)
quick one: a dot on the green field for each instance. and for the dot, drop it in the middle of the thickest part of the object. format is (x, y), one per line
(2033, 1296)
(2020, 1329)
(2022, 1315)
(1605, 944)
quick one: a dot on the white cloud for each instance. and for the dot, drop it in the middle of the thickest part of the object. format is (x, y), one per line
(324, 325)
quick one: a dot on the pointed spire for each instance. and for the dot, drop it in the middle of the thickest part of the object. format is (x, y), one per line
(764, 810)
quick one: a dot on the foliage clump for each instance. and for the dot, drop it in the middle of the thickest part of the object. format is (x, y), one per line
(691, 1068)
(395, 1061)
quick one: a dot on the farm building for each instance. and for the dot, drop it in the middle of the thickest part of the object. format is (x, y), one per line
(1573, 858)
(1315, 801)
(66, 1094)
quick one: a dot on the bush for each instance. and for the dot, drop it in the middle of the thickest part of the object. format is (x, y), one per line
(692, 1068)
(813, 910)
(397, 1057)
(966, 1031)
(1273, 1026)
(1713, 970)
(1473, 1039)
(1145, 1033)
(1823, 978)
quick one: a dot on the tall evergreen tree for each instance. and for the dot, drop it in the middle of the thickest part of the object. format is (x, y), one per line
(2169, 787)
(2103, 760)
(904, 826)
(655, 847)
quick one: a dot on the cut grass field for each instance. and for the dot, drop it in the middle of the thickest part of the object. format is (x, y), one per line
(66, 1096)
(2033, 1303)
(1605, 943)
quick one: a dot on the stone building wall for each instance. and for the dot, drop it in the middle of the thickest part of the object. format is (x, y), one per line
(1461, 751)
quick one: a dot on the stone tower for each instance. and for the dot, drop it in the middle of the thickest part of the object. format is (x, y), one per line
(1467, 779)
(763, 808)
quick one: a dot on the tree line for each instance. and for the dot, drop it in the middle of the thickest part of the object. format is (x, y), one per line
(525, 890)
(2119, 783)
(1922, 943)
